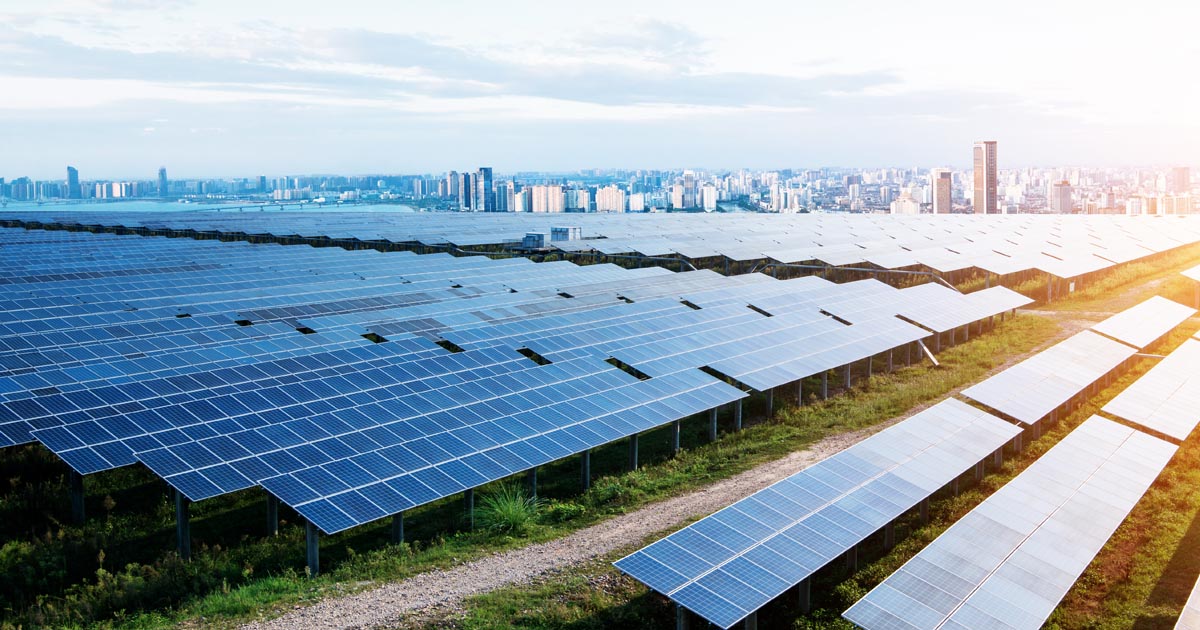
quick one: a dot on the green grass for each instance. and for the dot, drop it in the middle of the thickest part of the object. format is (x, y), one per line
(55, 577)
(1139, 581)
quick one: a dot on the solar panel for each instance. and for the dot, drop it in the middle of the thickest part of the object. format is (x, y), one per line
(1032, 389)
(1141, 325)
(1008, 562)
(1167, 398)
(731, 563)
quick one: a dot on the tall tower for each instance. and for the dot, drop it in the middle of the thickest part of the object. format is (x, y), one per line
(986, 178)
(485, 196)
(162, 181)
(74, 191)
(941, 188)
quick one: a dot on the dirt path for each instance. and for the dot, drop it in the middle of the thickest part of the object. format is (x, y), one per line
(439, 592)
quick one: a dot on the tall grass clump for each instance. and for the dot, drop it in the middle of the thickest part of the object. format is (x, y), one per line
(507, 510)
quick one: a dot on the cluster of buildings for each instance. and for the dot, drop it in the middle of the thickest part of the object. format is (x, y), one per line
(985, 189)
(982, 189)
(639, 191)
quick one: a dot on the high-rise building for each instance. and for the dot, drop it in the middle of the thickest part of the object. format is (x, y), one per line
(1060, 198)
(986, 178)
(610, 199)
(452, 184)
(262, 183)
(74, 190)
(941, 187)
(465, 190)
(1181, 181)
(162, 181)
(485, 196)
(547, 198)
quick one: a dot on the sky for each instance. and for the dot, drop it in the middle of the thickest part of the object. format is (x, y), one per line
(224, 88)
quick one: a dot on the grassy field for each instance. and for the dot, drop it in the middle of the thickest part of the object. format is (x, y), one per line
(118, 569)
(1139, 581)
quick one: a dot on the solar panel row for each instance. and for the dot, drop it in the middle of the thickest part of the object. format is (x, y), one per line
(1166, 398)
(1065, 246)
(1008, 562)
(1035, 387)
(728, 565)
(1143, 324)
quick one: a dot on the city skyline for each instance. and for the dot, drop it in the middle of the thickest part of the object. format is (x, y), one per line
(122, 87)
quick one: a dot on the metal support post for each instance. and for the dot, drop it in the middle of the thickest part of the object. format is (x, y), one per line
(683, 620)
(585, 470)
(183, 526)
(676, 427)
(712, 424)
(312, 545)
(804, 595)
(272, 515)
(848, 379)
(398, 528)
(633, 452)
(752, 621)
(533, 482)
(825, 385)
(77, 507)
(469, 506)
(737, 415)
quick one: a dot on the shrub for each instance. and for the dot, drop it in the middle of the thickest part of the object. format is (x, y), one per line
(507, 510)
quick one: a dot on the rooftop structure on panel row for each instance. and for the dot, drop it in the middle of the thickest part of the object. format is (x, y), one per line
(355, 386)
(938, 190)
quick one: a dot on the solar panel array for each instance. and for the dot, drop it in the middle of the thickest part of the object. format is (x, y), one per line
(418, 375)
(1008, 562)
(731, 563)
(1032, 389)
(1066, 246)
(1167, 398)
(1141, 325)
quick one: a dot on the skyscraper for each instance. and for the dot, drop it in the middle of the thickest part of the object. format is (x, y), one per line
(1060, 197)
(940, 187)
(162, 181)
(465, 190)
(485, 197)
(74, 191)
(986, 178)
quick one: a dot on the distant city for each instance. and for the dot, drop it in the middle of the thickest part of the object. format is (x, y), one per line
(984, 189)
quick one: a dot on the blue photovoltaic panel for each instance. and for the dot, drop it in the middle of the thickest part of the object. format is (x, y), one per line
(1033, 388)
(1008, 562)
(604, 407)
(1167, 398)
(1140, 325)
(731, 563)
